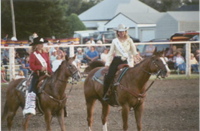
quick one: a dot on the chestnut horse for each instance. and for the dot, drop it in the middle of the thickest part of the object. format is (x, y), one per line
(52, 98)
(131, 90)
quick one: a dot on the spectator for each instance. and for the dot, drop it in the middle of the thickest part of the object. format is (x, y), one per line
(3, 75)
(25, 66)
(91, 40)
(59, 52)
(20, 75)
(104, 55)
(87, 48)
(169, 52)
(179, 62)
(53, 56)
(56, 63)
(6, 37)
(100, 48)
(194, 64)
(92, 54)
(197, 55)
(5, 56)
(80, 58)
(22, 52)
(149, 50)
(14, 38)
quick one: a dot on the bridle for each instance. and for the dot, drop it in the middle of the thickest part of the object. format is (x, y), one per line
(73, 73)
(159, 70)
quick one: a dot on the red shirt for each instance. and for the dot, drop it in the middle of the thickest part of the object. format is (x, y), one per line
(35, 63)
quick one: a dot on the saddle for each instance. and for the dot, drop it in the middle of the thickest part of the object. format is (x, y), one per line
(24, 85)
(112, 94)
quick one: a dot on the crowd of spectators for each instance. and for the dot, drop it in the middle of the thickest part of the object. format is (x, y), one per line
(85, 55)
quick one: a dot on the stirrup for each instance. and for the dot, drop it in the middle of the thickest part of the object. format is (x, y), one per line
(105, 98)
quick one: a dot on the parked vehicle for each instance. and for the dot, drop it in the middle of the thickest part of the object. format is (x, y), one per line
(83, 35)
(186, 36)
(162, 47)
(104, 36)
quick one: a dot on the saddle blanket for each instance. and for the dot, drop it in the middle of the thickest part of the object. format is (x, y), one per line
(99, 76)
(22, 86)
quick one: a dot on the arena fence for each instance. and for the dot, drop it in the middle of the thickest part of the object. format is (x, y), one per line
(12, 48)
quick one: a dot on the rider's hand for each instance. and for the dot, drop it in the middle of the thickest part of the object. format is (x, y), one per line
(44, 69)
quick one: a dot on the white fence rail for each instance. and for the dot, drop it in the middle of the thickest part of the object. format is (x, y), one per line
(71, 47)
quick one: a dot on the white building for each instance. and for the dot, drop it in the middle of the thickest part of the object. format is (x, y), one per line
(144, 22)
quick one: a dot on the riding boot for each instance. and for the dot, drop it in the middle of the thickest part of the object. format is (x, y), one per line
(106, 87)
(30, 104)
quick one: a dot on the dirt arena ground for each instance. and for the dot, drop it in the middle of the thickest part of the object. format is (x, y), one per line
(170, 105)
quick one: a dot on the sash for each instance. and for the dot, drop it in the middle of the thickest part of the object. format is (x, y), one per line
(41, 59)
(120, 48)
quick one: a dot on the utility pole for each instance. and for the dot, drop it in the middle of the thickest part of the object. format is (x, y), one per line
(13, 18)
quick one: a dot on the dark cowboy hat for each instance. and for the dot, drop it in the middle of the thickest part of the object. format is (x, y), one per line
(38, 40)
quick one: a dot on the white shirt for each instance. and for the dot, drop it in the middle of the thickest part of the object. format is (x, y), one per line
(56, 64)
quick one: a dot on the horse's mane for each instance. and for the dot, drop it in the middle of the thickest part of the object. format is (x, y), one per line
(53, 77)
(141, 62)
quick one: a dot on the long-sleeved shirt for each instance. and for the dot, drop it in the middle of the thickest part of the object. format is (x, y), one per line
(129, 48)
(35, 63)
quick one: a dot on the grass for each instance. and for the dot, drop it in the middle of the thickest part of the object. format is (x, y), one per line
(181, 76)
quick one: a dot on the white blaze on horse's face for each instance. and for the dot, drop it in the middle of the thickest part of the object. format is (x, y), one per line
(164, 62)
(74, 63)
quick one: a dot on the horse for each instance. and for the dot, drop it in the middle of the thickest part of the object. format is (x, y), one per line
(51, 99)
(94, 64)
(131, 90)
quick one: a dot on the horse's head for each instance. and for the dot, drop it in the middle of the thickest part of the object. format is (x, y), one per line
(72, 70)
(159, 64)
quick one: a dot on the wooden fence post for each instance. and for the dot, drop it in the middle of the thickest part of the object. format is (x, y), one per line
(187, 57)
(12, 63)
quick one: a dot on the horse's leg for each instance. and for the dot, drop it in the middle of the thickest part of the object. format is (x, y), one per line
(48, 118)
(10, 112)
(61, 120)
(105, 112)
(138, 116)
(26, 121)
(90, 109)
(125, 111)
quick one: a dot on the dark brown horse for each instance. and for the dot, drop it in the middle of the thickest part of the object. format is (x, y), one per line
(52, 98)
(131, 90)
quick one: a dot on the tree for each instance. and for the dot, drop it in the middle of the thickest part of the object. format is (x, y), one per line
(74, 24)
(45, 17)
(168, 5)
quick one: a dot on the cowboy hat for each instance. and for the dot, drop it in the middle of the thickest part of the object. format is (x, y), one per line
(38, 40)
(121, 27)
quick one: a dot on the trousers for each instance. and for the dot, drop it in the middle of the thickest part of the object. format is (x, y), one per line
(108, 80)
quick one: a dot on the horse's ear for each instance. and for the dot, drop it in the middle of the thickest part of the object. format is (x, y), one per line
(155, 51)
(66, 57)
(74, 57)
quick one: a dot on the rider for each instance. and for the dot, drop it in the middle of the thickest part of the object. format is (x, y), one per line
(121, 52)
(40, 65)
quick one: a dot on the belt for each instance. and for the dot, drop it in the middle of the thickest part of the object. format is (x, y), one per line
(122, 58)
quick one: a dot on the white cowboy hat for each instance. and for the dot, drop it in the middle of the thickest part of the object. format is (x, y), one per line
(79, 49)
(121, 27)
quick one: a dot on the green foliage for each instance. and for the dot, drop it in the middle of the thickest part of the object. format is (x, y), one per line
(45, 17)
(168, 5)
(74, 24)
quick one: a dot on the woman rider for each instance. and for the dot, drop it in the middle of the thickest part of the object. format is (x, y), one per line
(40, 65)
(121, 51)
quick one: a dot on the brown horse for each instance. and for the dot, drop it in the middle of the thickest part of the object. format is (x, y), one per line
(52, 98)
(131, 90)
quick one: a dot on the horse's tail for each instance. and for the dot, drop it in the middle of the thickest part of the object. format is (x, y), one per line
(93, 65)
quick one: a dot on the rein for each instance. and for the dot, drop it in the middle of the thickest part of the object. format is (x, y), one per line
(136, 95)
(57, 100)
